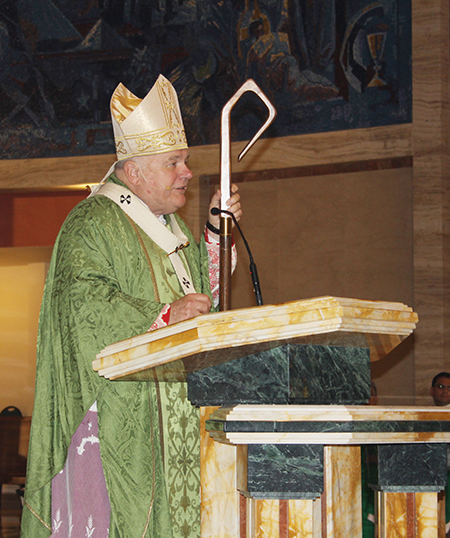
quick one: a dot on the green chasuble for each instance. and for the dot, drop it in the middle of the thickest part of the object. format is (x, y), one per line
(108, 281)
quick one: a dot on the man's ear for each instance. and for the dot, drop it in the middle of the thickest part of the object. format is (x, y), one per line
(131, 171)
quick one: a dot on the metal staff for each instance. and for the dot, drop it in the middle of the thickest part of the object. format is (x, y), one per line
(225, 185)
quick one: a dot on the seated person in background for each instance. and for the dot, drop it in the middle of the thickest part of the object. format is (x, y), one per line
(440, 389)
(440, 392)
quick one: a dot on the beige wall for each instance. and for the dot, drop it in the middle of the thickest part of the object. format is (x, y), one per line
(430, 137)
(22, 276)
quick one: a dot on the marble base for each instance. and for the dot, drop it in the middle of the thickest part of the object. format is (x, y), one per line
(409, 467)
(284, 471)
(289, 374)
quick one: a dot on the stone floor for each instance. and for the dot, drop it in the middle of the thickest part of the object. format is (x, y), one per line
(10, 513)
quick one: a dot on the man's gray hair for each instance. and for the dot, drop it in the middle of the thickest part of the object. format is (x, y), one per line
(119, 165)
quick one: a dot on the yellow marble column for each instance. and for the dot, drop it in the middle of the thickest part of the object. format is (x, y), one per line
(408, 515)
(392, 512)
(267, 519)
(343, 512)
(426, 514)
(219, 464)
(304, 519)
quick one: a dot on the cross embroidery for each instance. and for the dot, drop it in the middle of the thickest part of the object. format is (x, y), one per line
(177, 249)
(126, 198)
(186, 283)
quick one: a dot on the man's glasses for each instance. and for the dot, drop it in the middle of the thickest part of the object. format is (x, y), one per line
(440, 386)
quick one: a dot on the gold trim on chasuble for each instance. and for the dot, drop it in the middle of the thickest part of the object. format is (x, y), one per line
(179, 453)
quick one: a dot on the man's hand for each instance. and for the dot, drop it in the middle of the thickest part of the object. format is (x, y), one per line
(189, 306)
(233, 205)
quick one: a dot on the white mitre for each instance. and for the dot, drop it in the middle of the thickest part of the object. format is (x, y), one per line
(147, 126)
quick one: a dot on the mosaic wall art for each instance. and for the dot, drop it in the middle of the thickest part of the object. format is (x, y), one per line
(326, 65)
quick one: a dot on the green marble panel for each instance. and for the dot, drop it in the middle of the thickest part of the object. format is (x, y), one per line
(329, 375)
(260, 378)
(409, 467)
(357, 426)
(289, 374)
(285, 471)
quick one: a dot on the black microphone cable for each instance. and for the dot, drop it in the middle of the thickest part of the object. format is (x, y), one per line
(253, 271)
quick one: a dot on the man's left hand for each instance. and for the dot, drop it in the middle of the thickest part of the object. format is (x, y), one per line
(233, 205)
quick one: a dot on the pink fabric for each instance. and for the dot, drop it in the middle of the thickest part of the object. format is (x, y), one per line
(80, 502)
(213, 246)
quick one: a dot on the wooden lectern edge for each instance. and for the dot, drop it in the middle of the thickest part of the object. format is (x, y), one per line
(237, 315)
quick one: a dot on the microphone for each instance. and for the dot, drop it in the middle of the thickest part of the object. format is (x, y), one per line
(253, 271)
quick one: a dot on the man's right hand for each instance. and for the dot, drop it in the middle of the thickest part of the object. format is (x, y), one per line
(189, 306)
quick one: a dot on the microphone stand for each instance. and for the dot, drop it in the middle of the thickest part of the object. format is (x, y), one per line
(253, 271)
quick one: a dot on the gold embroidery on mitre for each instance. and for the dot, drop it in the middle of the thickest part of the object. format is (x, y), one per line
(168, 99)
(120, 148)
(148, 126)
(156, 142)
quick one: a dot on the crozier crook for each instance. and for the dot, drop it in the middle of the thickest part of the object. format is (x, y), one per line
(225, 185)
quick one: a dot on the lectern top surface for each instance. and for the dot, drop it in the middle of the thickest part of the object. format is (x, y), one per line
(215, 338)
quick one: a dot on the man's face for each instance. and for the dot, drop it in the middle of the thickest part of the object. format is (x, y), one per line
(440, 392)
(163, 181)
